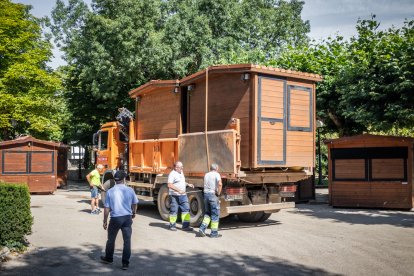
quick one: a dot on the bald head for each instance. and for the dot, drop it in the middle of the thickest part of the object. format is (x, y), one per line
(178, 166)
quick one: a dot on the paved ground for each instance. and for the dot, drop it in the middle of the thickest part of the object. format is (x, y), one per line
(313, 239)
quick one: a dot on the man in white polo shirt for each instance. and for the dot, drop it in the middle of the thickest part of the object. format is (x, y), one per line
(121, 202)
(178, 197)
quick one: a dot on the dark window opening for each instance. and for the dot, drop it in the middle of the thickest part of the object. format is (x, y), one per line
(184, 109)
(103, 140)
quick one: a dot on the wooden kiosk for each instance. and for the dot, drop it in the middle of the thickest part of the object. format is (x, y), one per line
(40, 164)
(371, 171)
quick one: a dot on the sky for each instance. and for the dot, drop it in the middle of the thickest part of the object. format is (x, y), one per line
(326, 17)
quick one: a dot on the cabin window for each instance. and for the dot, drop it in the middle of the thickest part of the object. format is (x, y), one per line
(42, 162)
(15, 162)
(370, 164)
(300, 106)
(103, 142)
(350, 169)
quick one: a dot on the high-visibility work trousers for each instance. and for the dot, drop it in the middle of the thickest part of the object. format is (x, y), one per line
(212, 208)
(180, 201)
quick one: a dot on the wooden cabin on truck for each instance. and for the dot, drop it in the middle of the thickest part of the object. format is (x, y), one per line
(257, 123)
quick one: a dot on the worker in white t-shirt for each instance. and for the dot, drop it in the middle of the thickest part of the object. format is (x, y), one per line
(178, 197)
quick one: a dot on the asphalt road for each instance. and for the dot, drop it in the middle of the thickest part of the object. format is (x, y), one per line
(312, 239)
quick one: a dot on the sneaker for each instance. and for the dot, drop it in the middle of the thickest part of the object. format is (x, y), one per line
(124, 266)
(105, 260)
(173, 228)
(93, 212)
(201, 233)
(216, 236)
(187, 229)
(98, 210)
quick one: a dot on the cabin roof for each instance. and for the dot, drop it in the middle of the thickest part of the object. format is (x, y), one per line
(26, 139)
(368, 138)
(246, 68)
(233, 68)
(152, 85)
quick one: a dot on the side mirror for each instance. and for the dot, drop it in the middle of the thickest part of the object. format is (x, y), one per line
(95, 140)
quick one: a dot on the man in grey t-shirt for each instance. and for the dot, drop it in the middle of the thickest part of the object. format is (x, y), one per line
(212, 190)
(178, 197)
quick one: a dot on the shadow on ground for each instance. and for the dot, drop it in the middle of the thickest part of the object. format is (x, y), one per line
(357, 216)
(149, 209)
(72, 261)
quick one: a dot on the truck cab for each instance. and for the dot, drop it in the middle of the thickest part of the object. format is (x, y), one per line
(110, 145)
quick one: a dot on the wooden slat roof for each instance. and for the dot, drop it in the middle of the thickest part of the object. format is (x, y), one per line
(233, 68)
(151, 85)
(368, 137)
(26, 139)
(245, 68)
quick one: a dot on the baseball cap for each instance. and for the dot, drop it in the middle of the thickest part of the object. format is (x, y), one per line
(120, 175)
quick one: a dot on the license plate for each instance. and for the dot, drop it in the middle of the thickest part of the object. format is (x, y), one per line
(233, 197)
(287, 194)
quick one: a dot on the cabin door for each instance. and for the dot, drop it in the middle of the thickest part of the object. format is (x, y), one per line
(271, 121)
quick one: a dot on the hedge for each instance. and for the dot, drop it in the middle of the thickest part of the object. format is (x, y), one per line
(15, 217)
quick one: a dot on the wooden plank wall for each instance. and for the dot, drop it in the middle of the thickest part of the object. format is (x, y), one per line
(62, 167)
(229, 97)
(350, 168)
(379, 194)
(158, 114)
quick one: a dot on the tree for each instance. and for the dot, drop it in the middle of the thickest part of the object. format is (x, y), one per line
(115, 46)
(368, 80)
(377, 87)
(30, 97)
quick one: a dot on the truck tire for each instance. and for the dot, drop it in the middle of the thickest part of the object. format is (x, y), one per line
(252, 216)
(265, 217)
(196, 201)
(107, 185)
(163, 202)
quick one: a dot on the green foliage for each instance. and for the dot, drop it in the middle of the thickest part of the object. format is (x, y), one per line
(15, 216)
(368, 80)
(30, 98)
(118, 45)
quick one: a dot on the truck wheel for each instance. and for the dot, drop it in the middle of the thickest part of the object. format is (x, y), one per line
(107, 185)
(196, 201)
(251, 217)
(265, 217)
(163, 202)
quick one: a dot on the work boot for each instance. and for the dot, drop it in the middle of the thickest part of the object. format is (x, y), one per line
(201, 233)
(215, 234)
(172, 227)
(188, 228)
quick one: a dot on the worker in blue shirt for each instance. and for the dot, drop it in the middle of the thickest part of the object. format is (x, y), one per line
(121, 202)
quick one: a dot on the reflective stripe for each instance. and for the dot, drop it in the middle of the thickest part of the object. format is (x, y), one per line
(206, 220)
(214, 225)
(173, 219)
(185, 217)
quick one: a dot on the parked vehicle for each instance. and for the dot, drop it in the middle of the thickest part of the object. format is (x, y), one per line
(257, 123)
